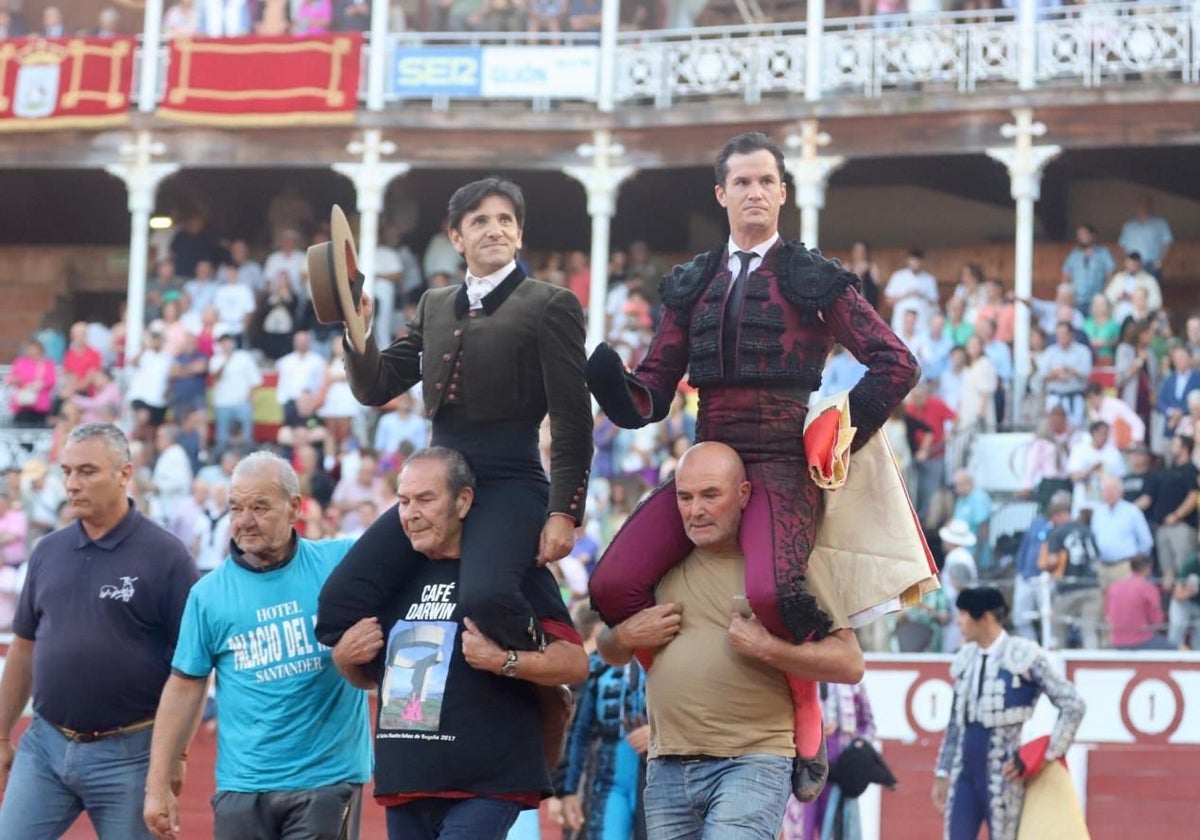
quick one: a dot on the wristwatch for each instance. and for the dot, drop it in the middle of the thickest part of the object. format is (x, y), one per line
(509, 668)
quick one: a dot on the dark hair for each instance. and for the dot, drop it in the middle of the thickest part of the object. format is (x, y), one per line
(746, 144)
(1097, 426)
(1089, 228)
(975, 271)
(468, 198)
(459, 475)
(1140, 563)
(1134, 255)
(916, 253)
(1187, 442)
(1093, 388)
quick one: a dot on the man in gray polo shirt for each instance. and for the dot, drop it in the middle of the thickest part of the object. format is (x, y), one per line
(94, 632)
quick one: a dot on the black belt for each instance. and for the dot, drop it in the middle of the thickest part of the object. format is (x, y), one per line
(689, 759)
(89, 737)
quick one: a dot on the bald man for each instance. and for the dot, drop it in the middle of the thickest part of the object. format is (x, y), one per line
(721, 719)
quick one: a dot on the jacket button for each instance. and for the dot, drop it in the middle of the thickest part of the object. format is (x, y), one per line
(574, 507)
(446, 357)
(458, 333)
(451, 398)
(438, 386)
(474, 314)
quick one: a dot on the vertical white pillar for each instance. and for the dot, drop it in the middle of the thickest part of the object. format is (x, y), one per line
(602, 180)
(151, 36)
(142, 177)
(810, 171)
(610, 14)
(813, 46)
(371, 178)
(1025, 163)
(1027, 44)
(377, 57)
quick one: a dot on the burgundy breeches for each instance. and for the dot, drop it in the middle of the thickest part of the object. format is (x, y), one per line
(777, 533)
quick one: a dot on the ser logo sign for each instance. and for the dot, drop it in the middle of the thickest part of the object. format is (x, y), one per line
(434, 71)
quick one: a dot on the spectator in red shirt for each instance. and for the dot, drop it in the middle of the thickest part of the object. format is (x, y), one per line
(930, 454)
(1134, 608)
(81, 361)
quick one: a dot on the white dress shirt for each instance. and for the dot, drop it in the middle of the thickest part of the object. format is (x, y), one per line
(760, 250)
(479, 287)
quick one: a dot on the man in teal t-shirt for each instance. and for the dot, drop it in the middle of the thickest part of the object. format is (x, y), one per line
(293, 743)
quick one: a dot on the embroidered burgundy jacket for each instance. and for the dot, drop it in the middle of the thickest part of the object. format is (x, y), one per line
(797, 305)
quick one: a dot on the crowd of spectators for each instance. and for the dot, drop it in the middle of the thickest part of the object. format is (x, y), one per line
(232, 358)
(236, 18)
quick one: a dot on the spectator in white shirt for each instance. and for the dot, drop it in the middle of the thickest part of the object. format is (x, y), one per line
(1120, 531)
(912, 287)
(212, 529)
(202, 289)
(400, 425)
(299, 371)
(1124, 283)
(250, 272)
(1063, 371)
(911, 334)
(1148, 235)
(183, 521)
(290, 258)
(234, 302)
(235, 376)
(171, 479)
(1093, 458)
(1112, 411)
(150, 373)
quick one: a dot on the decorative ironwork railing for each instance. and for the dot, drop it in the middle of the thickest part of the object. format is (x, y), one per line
(1092, 45)
(1104, 44)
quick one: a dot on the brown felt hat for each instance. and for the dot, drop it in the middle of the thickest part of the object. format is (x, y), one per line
(335, 280)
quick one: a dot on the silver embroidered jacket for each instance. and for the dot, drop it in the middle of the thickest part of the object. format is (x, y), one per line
(1017, 672)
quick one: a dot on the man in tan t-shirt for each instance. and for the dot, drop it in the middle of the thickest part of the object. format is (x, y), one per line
(721, 720)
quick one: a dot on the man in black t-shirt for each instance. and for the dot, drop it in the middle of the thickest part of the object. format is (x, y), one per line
(458, 741)
(1070, 555)
(1169, 500)
(94, 633)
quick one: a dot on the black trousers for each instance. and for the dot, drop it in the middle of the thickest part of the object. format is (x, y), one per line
(499, 546)
(325, 813)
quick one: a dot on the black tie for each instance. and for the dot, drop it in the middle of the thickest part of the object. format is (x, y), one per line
(733, 310)
(979, 684)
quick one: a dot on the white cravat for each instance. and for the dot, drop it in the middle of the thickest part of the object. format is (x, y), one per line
(479, 287)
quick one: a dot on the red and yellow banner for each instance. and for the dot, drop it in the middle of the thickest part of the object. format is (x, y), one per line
(64, 83)
(264, 81)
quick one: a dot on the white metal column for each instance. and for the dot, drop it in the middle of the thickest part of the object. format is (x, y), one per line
(142, 177)
(1025, 163)
(602, 181)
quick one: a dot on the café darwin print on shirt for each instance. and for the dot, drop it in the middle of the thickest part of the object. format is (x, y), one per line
(419, 650)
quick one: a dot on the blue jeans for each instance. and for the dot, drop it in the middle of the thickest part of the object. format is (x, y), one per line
(224, 415)
(741, 798)
(54, 779)
(451, 819)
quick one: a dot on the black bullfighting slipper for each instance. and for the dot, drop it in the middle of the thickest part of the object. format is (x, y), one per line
(810, 774)
(557, 706)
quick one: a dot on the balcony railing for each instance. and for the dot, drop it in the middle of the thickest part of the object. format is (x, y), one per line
(1096, 45)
